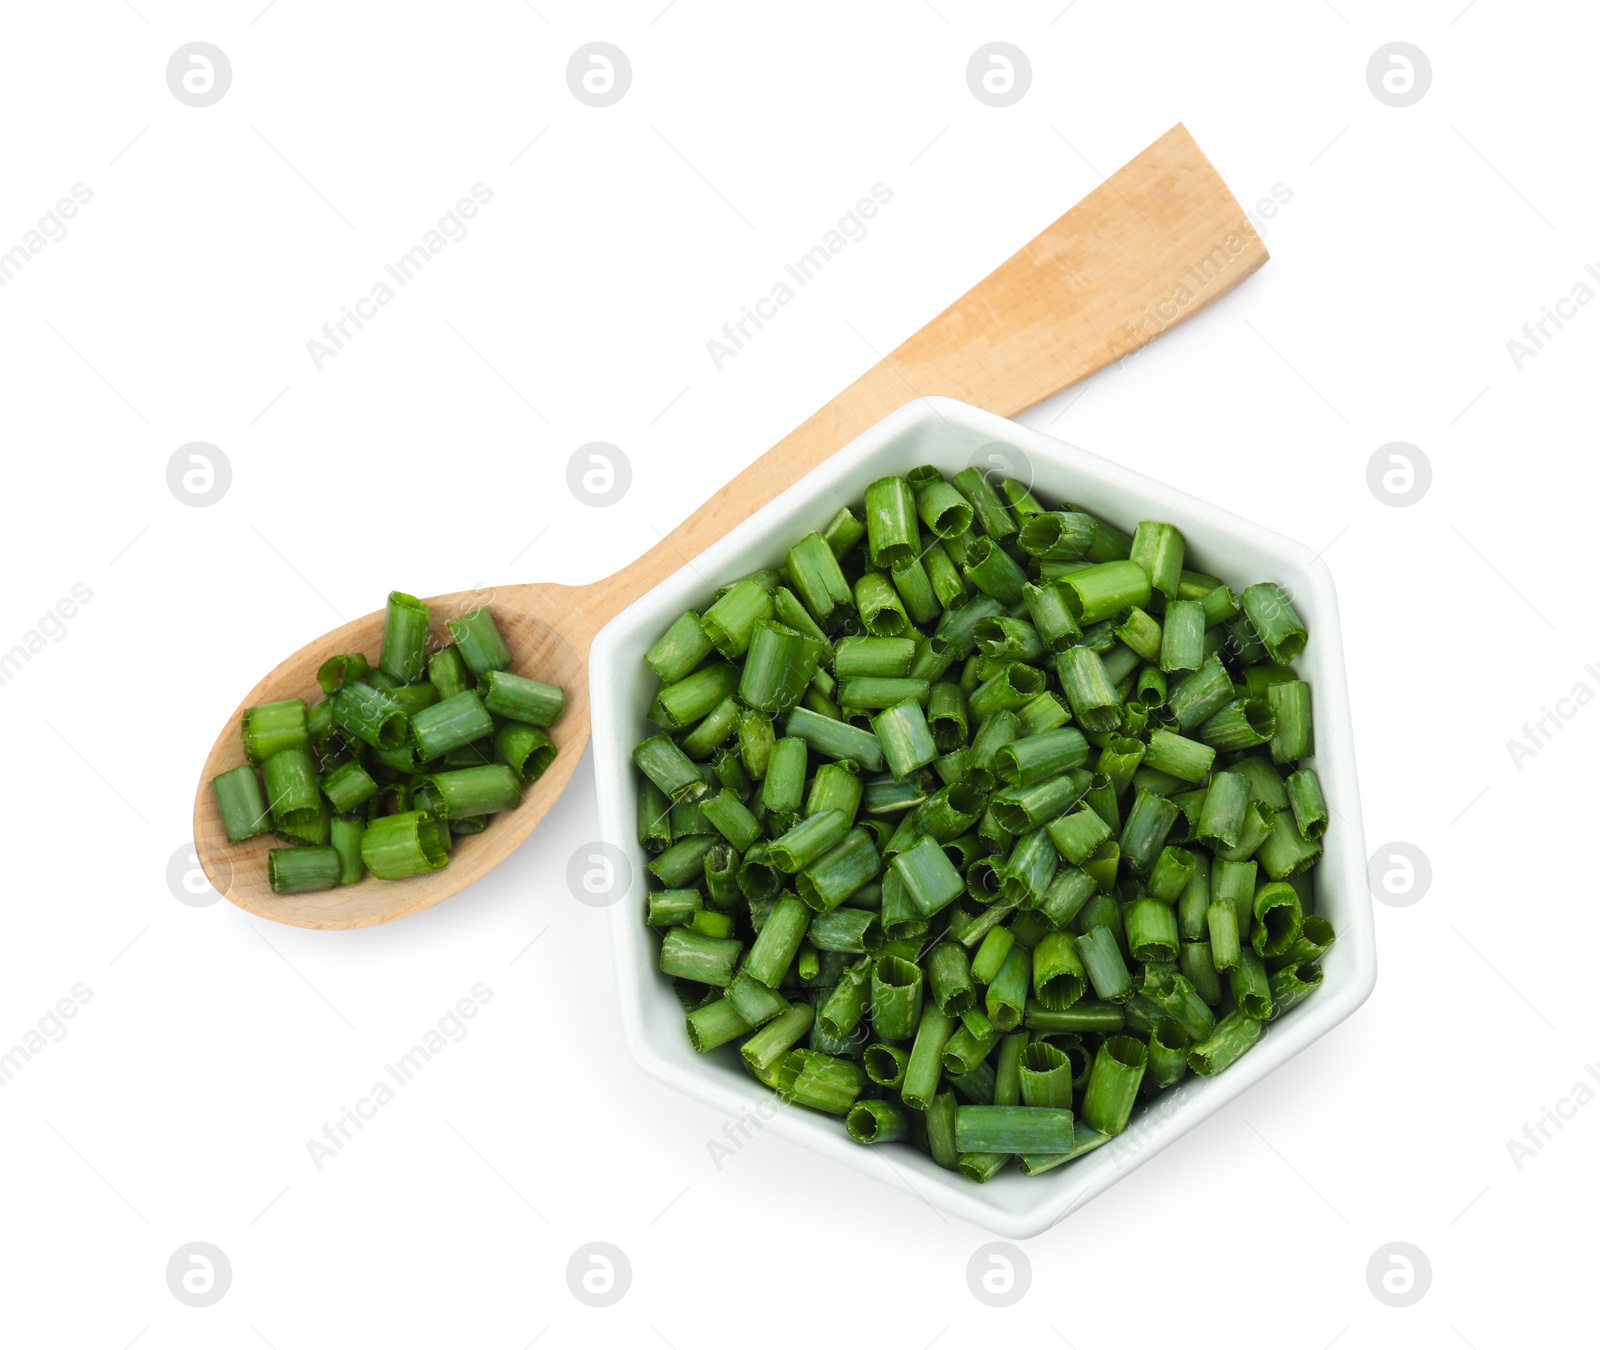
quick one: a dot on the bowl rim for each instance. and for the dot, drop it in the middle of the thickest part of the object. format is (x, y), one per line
(728, 1089)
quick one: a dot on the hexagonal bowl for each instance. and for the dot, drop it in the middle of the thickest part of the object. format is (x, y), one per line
(951, 435)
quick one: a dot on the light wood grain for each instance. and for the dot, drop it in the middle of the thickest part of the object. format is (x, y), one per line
(1157, 242)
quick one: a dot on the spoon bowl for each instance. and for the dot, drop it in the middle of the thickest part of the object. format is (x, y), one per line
(1094, 286)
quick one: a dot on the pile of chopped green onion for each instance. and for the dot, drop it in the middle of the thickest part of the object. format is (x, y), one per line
(978, 824)
(395, 760)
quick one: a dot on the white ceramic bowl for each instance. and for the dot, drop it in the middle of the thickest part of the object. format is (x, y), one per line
(951, 435)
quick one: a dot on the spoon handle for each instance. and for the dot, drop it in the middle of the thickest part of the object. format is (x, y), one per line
(1153, 245)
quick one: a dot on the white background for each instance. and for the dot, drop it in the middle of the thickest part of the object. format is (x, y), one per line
(430, 455)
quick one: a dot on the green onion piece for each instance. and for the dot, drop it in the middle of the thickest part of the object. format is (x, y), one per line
(405, 638)
(1152, 926)
(1222, 818)
(1290, 702)
(1170, 876)
(1145, 831)
(1031, 759)
(369, 715)
(413, 698)
(880, 606)
(291, 871)
(679, 705)
(1102, 962)
(836, 787)
(847, 1004)
(839, 873)
(886, 1064)
(1013, 1129)
(1059, 978)
(456, 721)
(271, 727)
(873, 692)
(1305, 801)
(1057, 534)
(731, 621)
(943, 509)
(1220, 604)
(291, 786)
(1234, 1034)
(522, 699)
(713, 1024)
(688, 955)
(1167, 1053)
(1140, 633)
(902, 734)
(1251, 992)
(1086, 1015)
(348, 785)
(891, 513)
(924, 1068)
(808, 840)
(1195, 899)
(779, 666)
(763, 1051)
(1258, 679)
(345, 834)
(820, 1081)
(1292, 985)
(993, 571)
(527, 750)
(1283, 853)
(478, 791)
(1277, 919)
(1183, 632)
(337, 671)
(1119, 1066)
(1019, 810)
(666, 908)
(1067, 895)
(1104, 590)
(1089, 689)
(877, 1122)
(993, 516)
(1195, 960)
(991, 954)
(1078, 833)
(833, 739)
(1151, 686)
(1046, 1076)
(886, 657)
(1158, 548)
(1222, 931)
(732, 819)
(1272, 615)
(681, 864)
(844, 531)
(403, 845)
(240, 804)
(665, 765)
(1238, 725)
(447, 672)
(1007, 994)
(1029, 869)
(950, 980)
(896, 997)
(677, 651)
(1170, 753)
(477, 638)
(929, 877)
(1199, 696)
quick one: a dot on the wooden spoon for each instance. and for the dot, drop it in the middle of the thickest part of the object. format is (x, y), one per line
(1155, 243)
